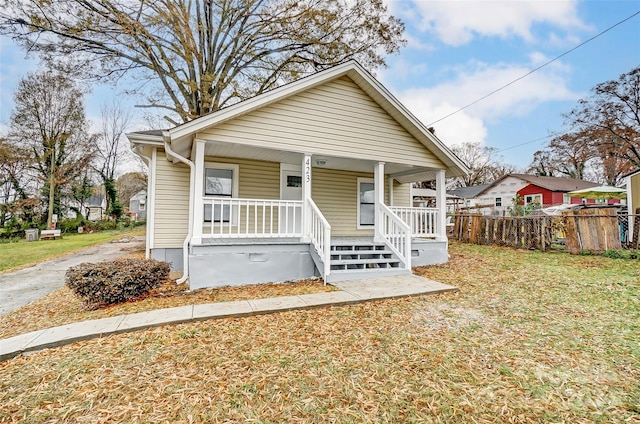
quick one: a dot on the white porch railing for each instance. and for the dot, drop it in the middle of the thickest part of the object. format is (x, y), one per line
(422, 221)
(396, 234)
(320, 234)
(252, 218)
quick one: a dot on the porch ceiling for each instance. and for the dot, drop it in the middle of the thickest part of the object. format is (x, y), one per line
(401, 172)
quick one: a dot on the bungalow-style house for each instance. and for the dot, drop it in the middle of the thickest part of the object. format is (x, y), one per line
(546, 191)
(550, 191)
(310, 179)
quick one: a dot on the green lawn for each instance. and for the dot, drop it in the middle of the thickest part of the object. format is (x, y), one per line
(22, 253)
(529, 338)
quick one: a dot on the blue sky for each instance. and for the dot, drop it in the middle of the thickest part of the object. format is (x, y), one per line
(459, 51)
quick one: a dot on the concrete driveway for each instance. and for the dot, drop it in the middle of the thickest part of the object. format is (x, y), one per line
(22, 287)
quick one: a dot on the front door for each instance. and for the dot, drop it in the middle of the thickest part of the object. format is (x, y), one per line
(290, 189)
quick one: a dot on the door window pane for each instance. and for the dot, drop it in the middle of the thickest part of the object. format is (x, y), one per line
(367, 199)
(294, 181)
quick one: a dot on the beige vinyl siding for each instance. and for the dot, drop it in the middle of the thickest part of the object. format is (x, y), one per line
(635, 197)
(336, 194)
(402, 194)
(171, 213)
(336, 118)
(258, 179)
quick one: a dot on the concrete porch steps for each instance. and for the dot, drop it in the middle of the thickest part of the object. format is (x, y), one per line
(359, 259)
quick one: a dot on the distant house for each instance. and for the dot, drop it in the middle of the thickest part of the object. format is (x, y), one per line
(547, 191)
(138, 206)
(466, 197)
(95, 207)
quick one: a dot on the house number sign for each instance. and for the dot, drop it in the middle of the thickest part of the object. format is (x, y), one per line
(307, 169)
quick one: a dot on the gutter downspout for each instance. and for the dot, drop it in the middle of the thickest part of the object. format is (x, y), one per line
(138, 151)
(187, 240)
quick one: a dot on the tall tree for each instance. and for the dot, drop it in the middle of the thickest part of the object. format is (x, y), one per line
(611, 115)
(203, 55)
(109, 152)
(14, 160)
(484, 162)
(49, 121)
(572, 152)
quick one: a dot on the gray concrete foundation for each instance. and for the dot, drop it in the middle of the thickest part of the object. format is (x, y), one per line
(234, 265)
(171, 255)
(428, 252)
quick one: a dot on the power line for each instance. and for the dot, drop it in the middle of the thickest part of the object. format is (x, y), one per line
(527, 142)
(534, 70)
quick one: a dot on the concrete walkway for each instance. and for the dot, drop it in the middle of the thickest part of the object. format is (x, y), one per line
(350, 292)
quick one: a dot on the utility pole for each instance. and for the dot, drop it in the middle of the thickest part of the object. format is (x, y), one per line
(52, 186)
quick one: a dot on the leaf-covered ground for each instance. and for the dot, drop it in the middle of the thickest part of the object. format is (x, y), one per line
(530, 337)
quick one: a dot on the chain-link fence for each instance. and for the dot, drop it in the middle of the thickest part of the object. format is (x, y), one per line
(595, 230)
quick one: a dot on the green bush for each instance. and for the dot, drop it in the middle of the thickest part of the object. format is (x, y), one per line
(70, 225)
(620, 254)
(121, 280)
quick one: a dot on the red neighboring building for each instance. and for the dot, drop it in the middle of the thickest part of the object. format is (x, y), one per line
(549, 191)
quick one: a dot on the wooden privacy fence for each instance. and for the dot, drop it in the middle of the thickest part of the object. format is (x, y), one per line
(594, 229)
(521, 232)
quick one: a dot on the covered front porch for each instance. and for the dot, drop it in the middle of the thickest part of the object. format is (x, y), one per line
(334, 217)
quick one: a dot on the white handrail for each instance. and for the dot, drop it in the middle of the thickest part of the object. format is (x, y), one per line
(396, 234)
(423, 221)
(252, 218)
(320, 234)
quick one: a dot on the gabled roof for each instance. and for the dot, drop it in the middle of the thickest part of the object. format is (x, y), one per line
(561, 184)
(181, 137)
(631, 174)
(468, 192)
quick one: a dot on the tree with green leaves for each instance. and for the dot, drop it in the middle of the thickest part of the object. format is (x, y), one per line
(49, 121)
(193, 57)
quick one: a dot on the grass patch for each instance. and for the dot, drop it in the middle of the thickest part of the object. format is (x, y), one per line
(530, 337)
(20, 253)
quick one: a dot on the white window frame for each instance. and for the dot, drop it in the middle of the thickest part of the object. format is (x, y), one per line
(534, 196)
(365, 226)
(235, 177)
(495, 203)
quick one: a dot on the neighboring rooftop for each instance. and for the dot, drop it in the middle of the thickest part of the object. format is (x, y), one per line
(468, 192)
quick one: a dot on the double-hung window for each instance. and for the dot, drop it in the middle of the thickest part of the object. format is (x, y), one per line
(220, 182)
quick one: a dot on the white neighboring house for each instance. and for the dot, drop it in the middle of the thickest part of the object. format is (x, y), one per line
(311, 178)
(138, 205)
(498, 196)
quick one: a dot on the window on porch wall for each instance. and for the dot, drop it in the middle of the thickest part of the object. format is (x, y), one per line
(366, 203)
(218, 182)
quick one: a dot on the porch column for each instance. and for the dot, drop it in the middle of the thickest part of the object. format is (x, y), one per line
(441, 205)
(306, 196)
(198, 190)
(378, 184)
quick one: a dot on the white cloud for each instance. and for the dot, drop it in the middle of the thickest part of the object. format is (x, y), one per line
(458, 22)
(460, 128)
(475, 80)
